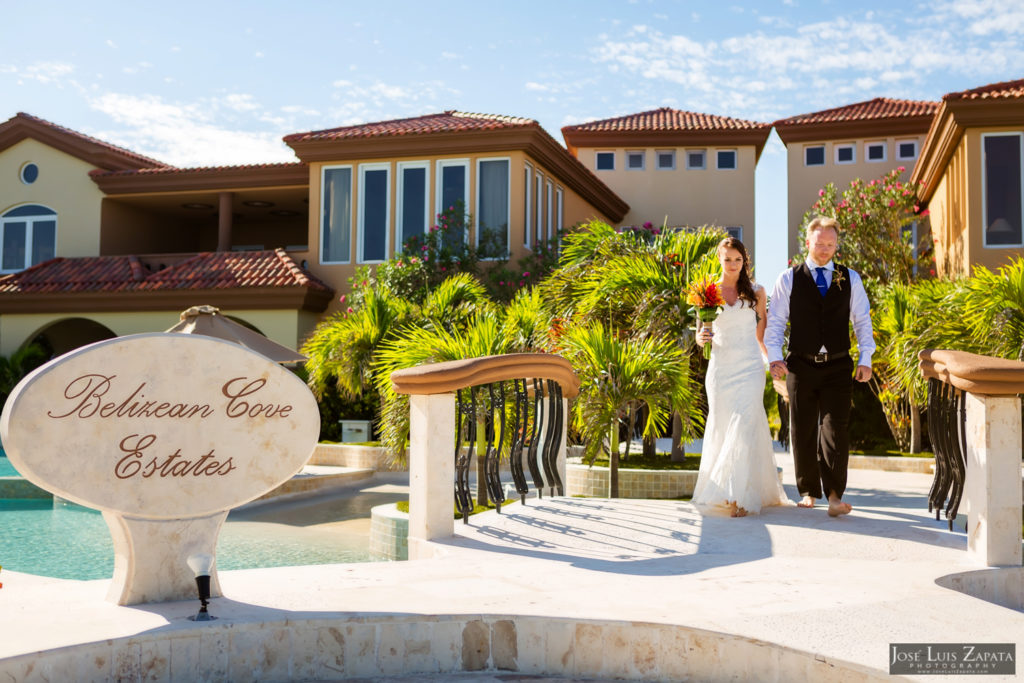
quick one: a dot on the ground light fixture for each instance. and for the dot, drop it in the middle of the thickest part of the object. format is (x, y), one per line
(201, 564)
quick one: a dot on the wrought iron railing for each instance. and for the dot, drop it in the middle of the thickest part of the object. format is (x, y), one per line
(947, 421)
(952, 375)
(517, 400)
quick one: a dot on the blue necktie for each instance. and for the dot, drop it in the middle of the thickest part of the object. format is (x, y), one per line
(820, 281)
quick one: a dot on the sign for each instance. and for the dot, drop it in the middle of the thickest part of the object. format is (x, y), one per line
(160, 426)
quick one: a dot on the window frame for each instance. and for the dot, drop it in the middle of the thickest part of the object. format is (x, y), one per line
(527, 208)
(439, 186)
(538, 206)
(351, 220)
(361, 211)
(643, 159)
(559, 211)
(917, 150)
(876, 143)
(738, 234)
(703, 159)
(852, 146)
(735, 159)
(508, 207)
(21, 173)
(984, 191)
(29, 222)
(549, 202)
(597, 156)
(824, 157)
(400, 168)
(657, 159)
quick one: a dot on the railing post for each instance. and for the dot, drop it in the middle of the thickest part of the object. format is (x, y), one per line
(993, 486)
(563, 443)
(431, 470)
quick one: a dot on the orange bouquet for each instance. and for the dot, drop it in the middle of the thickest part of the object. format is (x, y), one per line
(705, 296)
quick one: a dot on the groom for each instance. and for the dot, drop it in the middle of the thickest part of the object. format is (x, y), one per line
(820, 299)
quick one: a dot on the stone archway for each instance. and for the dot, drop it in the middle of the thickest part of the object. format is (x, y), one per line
(68, 334)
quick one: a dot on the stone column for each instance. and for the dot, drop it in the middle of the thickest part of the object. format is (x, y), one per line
(431, 471)
(224, 221)
(993, 485)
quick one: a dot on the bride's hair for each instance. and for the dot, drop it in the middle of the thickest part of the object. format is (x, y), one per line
(744, 286)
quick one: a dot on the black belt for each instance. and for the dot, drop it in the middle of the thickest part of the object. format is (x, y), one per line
(822, 358)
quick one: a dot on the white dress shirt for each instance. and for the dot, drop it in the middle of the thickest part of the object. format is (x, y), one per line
(778, 314)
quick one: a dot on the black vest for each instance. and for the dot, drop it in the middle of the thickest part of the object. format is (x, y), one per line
(816, 320)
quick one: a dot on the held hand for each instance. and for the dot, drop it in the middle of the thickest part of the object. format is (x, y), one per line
(863, 373)
(704, 336)
(778, 369)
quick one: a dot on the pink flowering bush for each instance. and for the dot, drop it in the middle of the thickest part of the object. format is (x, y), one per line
(875, 220)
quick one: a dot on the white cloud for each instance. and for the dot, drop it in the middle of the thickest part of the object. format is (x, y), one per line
(111, 43)
(48, 73)
(188, 134)
(782, 69)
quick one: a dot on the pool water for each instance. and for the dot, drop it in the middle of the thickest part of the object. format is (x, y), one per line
(67, 541)
(6, 468)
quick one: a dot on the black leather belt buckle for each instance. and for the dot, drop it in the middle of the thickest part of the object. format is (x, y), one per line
(819, 358)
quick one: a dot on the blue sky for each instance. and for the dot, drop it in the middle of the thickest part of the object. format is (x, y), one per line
(211, 83)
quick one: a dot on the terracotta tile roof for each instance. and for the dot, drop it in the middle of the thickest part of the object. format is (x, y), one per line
(445, 122)
(173, 170)
(666, 119)
(1004, 90)
(204, 271)
(878, 108)
(88, 140)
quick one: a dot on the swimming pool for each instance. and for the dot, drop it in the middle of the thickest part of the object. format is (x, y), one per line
(6, 468)
(67, 541)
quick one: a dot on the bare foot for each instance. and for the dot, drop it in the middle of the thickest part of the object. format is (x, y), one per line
(806, 502)
(735, 510)
(837, 507)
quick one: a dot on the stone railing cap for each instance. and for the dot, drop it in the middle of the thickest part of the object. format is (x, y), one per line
(450, 376)
(982, 375)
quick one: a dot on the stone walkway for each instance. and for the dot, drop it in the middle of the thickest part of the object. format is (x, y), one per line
(805, 591)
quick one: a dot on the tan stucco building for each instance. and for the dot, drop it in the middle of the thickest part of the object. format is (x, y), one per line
(862, 140)
(98, 241)
(972, 166)
(674, 167)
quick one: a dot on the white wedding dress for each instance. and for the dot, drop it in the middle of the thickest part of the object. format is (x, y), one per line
(737, 461)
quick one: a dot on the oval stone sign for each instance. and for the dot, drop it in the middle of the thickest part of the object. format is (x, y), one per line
(160, 426)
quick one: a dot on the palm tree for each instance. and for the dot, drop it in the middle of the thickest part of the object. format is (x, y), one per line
(993, 309)
(618, 376)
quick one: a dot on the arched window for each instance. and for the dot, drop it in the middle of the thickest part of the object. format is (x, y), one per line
(28, 235)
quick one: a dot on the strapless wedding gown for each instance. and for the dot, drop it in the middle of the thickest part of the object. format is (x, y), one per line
(737, 462)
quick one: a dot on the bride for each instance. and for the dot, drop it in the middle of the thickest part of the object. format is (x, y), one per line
(737, 464)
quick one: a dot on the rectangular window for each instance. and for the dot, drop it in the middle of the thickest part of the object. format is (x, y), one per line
(527, 209)
(374, 205)
(453, 193)
(814, 156)
(666, 160)
(538, 205)
(906, 149)
(550, 202)
(1002, 189)
(43, 240)
(559, 212)
(846, 154)
(735, 231)
(14, 244)
(874, 151)
(413, 200)
(606, 161)
(492, 207)
(696, 159)
(336, 218)
(635, 161)
(726, 159)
